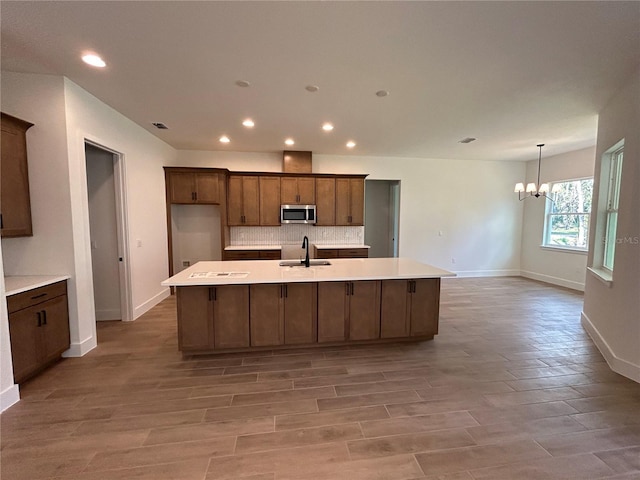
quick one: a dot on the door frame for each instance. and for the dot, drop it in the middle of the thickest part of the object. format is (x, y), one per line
(122, 227)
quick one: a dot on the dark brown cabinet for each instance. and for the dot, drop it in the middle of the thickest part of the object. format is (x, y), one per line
(298, 191)
(348, 311)
(409, 308)
(243, 201)
(15, 202)
(350, 201)
(341, 252)
(194, 188)
(269, 201)
(38, 327)
(213, 317)
(283, 314)
(325, 201)
(251, 255)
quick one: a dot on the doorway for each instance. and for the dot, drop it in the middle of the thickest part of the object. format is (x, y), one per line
(106, 223)
(382, 217)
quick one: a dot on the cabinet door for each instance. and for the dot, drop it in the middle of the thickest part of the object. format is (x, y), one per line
(55, 329)
(343, 204)
(25, 337)
(326, 253)
(251, 200)
(207, 188)
(356, 200)
(14, 179)
(394, 312)
(300, 313)
(289, 191)
(425, 302)
(231, 316)
(364, 310)
(332, 311)
(270, 201)
(325, 201)
(266, 313)
(234, 201)
(306, 191)
(195, 318)
(183, 188)
(353, 252)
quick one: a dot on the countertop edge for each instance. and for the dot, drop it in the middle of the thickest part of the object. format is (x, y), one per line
(15, 284)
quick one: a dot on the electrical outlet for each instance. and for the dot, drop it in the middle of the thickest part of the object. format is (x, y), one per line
(186, 263)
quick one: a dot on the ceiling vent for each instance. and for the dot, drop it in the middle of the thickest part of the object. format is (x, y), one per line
(160, 125)
(467, 140)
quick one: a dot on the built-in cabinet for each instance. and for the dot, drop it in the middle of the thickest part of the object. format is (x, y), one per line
(269, 201)
(409, 308)
(243, 200)
(212, 318)
(340, 252)
(283, 314)
(38, 328)
(15, 203)
(350, 201)
(279, 315)
(325, 201)
(193, 188)
(298, 191)
(251, 255)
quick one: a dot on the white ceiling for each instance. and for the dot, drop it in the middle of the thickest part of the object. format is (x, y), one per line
(511, 74)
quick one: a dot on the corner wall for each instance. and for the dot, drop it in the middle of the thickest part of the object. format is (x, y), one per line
(611, 313)
(564, 268)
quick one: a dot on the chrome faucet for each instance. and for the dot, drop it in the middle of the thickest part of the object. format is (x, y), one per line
(305, 244)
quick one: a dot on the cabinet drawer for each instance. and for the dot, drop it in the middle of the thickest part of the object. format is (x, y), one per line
(242, 255)
(353, 253)
(270, 254)
(326, 253)
(37, 295)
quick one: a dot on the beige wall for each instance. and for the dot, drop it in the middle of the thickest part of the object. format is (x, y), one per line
(612, 311)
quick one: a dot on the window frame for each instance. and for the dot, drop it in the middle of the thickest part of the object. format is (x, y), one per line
(614, 179)
(548, 213)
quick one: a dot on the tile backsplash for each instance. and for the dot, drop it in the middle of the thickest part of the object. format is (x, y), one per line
(292, 234)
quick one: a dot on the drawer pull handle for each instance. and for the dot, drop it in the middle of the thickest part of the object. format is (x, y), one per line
(39, 319)
(44, 317)
(39, 296)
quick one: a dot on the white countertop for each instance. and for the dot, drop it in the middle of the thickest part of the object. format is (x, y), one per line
(24, 283)
(268, 271)
(339, 247)
(253, 247)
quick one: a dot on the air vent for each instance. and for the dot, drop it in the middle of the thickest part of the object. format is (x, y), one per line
(467, 140)
(160, 125)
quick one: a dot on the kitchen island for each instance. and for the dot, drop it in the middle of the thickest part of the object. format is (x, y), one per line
(252, 305)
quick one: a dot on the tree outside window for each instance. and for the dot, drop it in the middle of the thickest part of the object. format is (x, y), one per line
(567, 217)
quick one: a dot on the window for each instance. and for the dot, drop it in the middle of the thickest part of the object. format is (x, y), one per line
(614, 176)
(567, 217)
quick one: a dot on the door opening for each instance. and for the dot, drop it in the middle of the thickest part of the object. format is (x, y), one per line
(382, 214)
(106, 223)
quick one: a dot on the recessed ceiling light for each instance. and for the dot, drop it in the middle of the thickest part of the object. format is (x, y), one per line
(327, 127)
(351, 144)
(242, 83)
(93, 60)
(248, 123)
(467, 140)
(382, 93)
(312, 88)
(289, 141)
(224, 139)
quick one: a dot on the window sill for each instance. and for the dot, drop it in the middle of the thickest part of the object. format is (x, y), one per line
(565, 249)
(601, 274)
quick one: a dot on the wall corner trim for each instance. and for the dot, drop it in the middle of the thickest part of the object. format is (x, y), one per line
(152, 302)
(561, 282)
(81, 349)
(9, 397)
(617, 364)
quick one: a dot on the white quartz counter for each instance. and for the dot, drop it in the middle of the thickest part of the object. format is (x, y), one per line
(339, 247)
(268, 271)
(24, 283)
(253, 247)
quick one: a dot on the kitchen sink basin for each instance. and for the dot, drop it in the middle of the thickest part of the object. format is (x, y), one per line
(300, 263)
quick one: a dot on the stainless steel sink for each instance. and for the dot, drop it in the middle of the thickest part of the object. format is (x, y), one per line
(300, 263)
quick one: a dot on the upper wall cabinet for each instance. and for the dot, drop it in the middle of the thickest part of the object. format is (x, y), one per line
(269, 201)
(298, 191)
(193, 187)
(243, 200)
(350, 201)
(15, 203)
(325, 201)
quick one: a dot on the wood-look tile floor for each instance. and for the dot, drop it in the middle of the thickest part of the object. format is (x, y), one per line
(511, 388)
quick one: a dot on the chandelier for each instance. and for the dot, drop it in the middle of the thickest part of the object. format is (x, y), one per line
(536, 190)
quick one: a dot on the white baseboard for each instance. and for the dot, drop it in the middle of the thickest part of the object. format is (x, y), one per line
(149, 304)
(82, 348)
(617, 364)
(9, 396)
(487, 273)
(108, 314)
(553, 280)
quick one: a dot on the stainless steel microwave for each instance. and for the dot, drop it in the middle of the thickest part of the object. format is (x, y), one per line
(297, 214)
